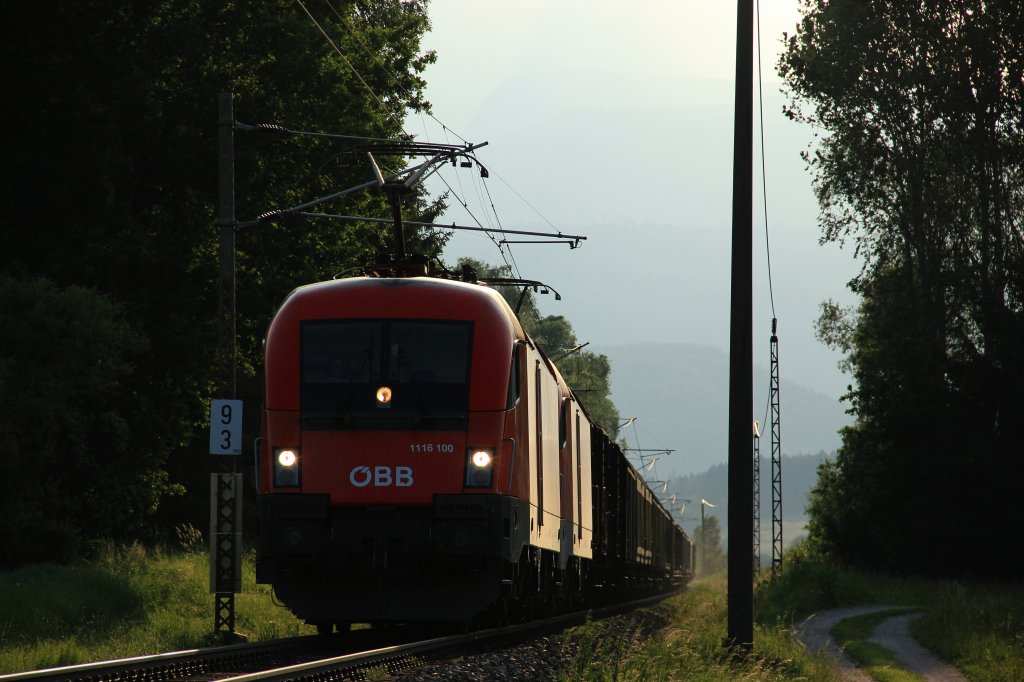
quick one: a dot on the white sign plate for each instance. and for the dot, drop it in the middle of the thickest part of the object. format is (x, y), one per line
(225, 427)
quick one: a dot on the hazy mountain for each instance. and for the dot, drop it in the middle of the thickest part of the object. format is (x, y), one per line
(799, 475)
(680, 395)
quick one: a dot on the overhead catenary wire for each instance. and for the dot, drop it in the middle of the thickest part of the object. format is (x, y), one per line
(383, 106)
(764, 174)
(494, 210)
(524, 200)
(472, 215)
(274, 128)
(503, 245)
(509, 260)
(764, 183)
(773, 388)
(465, 205)
(384, 67)
(774, 383)
(336, 195)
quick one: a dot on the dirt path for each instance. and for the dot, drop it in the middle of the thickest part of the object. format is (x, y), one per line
(814, 633)
(894, 636)
(891, 633)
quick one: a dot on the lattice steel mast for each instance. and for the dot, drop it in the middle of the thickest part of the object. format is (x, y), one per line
(757, 497)
(225, 487)
(776, 453)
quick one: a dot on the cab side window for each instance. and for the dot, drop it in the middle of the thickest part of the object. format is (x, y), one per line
(513, 380)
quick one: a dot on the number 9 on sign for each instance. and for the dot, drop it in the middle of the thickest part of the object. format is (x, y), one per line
(225, 427)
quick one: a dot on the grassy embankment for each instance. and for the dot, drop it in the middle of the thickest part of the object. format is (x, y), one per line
(977, 627)
(131, 601)
(687, 645)
(126, 602)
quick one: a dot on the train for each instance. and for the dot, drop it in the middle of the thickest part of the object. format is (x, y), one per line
(421, 459)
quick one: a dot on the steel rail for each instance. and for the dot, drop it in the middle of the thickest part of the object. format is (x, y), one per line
(181, 663)
(398, 656)
(214, 662)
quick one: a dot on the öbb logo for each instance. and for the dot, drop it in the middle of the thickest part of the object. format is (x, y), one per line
(381, 477)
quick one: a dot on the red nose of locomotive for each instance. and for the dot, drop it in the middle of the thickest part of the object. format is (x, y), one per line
(391, 468)
(392, 410)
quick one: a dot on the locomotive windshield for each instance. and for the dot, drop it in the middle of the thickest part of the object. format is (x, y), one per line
(424, 364)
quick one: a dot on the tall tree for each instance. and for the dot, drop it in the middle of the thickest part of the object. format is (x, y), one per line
(71, 473)
(707, 539)
(920, 164)
(110, 180)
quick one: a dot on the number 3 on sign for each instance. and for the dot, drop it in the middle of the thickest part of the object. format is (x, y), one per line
(225, 427)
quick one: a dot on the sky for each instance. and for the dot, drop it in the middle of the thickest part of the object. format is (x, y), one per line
(614, 121)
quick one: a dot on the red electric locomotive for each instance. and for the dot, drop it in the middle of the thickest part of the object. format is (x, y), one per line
(422, 460)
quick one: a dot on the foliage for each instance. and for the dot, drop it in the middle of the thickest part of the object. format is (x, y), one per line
(978, 627)
(587, 374)
(72, 470)
(110, 183)
(921, 166)
(708, 540)
(811, 581)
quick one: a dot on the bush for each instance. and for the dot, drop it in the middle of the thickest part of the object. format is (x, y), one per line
(70, 473)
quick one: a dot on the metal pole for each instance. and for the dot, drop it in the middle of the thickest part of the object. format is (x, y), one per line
(226, 226)
(226, 487)
(741, 393)
(703, 541)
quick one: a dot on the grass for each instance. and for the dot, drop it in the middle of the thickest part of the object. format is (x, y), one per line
(809, 584)
(681, 639)
(132, 601)
(126, 602)
(980, 628)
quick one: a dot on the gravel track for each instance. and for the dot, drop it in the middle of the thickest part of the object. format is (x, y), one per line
(540, 658)
(891, 633)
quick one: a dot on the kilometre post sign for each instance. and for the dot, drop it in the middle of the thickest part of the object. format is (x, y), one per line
(225, 427)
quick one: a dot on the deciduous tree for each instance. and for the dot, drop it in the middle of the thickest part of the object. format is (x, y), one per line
(109, 178)
(920, 165)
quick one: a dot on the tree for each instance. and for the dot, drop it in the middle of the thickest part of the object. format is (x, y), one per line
(920, 164)
(70, 471)
(708, 541)
(110, 181)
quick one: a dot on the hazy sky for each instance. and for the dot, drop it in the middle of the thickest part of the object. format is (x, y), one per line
(614, 120)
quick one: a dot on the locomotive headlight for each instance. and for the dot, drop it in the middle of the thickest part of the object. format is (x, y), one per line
(384, 396)
(286, 467)
(287, 458)
(479, 468)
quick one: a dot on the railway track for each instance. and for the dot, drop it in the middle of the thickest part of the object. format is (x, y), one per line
(316, 657)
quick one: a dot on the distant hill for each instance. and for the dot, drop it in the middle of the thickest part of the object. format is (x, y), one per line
(680, 394)
(799, 474)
